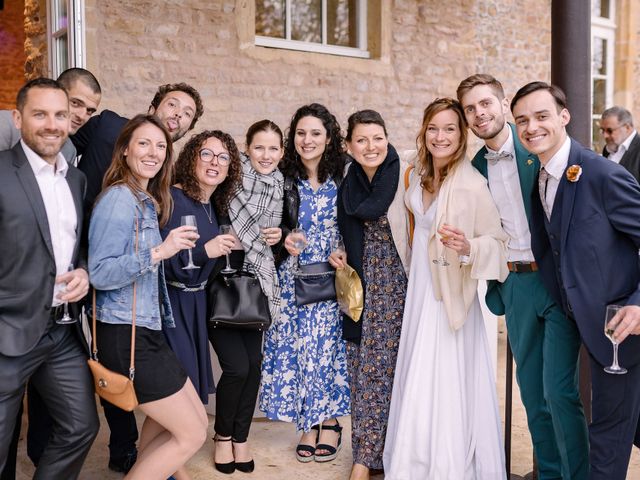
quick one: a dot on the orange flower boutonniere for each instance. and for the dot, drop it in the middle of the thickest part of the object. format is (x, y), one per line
(574, 172)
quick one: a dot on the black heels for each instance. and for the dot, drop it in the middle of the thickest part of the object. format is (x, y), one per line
(311, 450)
(244, 467)
(333, 451)
(228, 467)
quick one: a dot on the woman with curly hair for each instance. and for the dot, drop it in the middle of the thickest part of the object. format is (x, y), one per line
(304, 374)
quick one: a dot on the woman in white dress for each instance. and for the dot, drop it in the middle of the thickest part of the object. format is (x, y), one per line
(444, 422)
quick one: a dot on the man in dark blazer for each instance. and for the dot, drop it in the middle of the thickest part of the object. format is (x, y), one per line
(585, 235)
(40, 230)
(535, 323)
(623, 142)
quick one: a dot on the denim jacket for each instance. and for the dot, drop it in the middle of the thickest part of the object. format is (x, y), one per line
(114, 265)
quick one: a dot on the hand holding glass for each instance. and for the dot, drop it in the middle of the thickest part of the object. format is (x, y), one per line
(227, 230)
(189, 220)
(66, 318)
(299, 239)
(609, 328)
(442, 261)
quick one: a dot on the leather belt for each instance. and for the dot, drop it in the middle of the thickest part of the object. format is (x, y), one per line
(522, 267)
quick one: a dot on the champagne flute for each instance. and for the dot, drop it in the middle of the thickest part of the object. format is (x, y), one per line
(614, 368)
(442, 261)
(227, 230)
(189, 220)
(66, 318)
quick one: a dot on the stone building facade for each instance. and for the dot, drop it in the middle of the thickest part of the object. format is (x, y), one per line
(420, 50)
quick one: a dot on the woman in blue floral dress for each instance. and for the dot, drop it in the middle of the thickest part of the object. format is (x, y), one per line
(304, 372)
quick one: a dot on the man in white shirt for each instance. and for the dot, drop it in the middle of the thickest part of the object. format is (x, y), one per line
(546, 375)
(622, 140)
(585, 235)
(43, 267)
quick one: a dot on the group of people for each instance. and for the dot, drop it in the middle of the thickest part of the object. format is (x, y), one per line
(553, 228)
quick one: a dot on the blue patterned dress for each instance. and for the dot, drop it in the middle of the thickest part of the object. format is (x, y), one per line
(304, 371)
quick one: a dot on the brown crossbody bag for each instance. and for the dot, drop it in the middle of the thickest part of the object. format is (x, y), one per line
(114, 387)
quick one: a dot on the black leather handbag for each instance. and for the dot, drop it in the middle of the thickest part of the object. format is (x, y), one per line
(237, 301)
(315, 282)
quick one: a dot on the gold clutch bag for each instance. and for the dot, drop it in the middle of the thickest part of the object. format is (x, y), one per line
(349, 292)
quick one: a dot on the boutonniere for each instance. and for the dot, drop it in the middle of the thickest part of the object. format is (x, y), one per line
(530, 161)
(574, 172)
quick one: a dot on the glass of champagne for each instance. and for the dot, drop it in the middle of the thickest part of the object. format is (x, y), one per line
(299, 239)
(227, 230)
(442, 261)
(66, 318)
(615, 368)
(189, 220)
(337, 244)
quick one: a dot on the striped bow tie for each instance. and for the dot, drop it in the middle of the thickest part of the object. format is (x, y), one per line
(494, 158)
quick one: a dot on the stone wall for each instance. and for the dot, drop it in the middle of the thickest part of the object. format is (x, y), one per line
(428, 47)
(12, 57)
(35, 45)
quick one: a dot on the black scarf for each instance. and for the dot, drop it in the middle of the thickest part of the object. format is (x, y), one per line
(361, 200)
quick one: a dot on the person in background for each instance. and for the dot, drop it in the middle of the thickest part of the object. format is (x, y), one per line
(374, 222)
(125, 255)
(444, 420)
(304, 372)
(255, 209)
(622, 141)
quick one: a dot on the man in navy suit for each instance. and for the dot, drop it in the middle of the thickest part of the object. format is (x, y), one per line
(585, 235)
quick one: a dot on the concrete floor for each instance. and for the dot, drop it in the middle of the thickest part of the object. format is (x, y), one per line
(274, 443)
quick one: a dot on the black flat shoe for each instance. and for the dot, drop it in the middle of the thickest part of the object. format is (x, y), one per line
(301, 448)
(228, 467)
(123, 464)
(333, 451)
(244, 467)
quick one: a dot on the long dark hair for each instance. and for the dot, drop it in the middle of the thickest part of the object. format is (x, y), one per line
(185, 169)
(119, 172)
(425, 160)
(332, 162)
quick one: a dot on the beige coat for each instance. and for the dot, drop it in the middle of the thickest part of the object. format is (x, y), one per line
(464, 202)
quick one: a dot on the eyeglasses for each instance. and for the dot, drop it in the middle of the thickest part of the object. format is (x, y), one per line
(609, 131)
(207, 156)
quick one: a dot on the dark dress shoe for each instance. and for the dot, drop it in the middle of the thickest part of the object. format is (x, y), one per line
(245, 467)
(123, 464)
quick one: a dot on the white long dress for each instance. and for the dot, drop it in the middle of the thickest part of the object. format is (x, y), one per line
(444, 422)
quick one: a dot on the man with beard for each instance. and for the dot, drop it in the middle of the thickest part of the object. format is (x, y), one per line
(623, 142)
(179, 107)
(43, 267)
(545, 346)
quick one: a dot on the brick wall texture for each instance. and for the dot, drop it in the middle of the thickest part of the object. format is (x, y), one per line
(432, 45)
(12, 57)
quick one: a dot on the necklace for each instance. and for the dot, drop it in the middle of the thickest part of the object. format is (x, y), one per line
(208, 213)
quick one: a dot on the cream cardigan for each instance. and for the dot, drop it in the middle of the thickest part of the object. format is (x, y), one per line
(464, 202)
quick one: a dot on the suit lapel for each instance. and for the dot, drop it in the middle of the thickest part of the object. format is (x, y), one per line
(30, 185)
(480, 162)
(569, 192)
(528, 167)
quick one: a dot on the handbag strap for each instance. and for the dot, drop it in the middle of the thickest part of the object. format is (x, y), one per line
(94, 344)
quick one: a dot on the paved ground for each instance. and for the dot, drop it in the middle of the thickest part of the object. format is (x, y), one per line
(274, 443)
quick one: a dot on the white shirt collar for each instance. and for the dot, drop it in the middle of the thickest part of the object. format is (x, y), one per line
(558, 163)
(508, 145)
(628, 141)
(38, 165)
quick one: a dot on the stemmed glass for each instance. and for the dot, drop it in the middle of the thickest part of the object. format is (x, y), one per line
(442, 261)
(66, 318)
(189, 220)
(227, 230)
(615, 368)
(337, 244)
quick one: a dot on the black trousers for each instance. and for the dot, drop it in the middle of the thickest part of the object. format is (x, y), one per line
(240, 356)
(57, 368)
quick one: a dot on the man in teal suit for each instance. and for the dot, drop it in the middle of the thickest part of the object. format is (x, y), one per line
(545, 345)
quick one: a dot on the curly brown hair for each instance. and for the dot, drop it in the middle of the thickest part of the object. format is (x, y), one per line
(119, 173)
(163, 90)
(185, 169)
(332, 163)
(425, 160)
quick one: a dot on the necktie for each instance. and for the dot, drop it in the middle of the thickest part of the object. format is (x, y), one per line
(494, 158)
(542, 188)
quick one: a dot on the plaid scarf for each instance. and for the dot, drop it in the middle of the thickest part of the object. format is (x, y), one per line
(258, 201)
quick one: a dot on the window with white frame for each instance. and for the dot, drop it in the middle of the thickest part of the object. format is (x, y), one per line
(336, 27)
(603, 36)
(66, 35)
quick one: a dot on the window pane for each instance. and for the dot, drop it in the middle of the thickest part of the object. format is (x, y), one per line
(341, 23)
(270, 18)
(599, 96)
(306, 20)
(61, 14)
(599, 61)
(597, 142)
(62, 53)
(601, 8)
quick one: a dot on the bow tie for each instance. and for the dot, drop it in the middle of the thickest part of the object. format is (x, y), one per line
(494, 158)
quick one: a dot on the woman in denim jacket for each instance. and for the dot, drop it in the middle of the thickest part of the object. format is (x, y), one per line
(136, 191)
